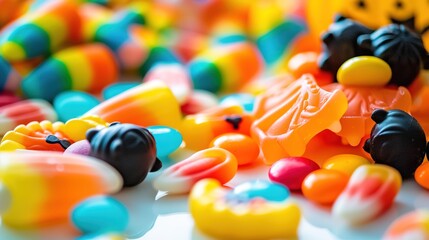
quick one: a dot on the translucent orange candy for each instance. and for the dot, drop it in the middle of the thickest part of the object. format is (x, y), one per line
(286, 119)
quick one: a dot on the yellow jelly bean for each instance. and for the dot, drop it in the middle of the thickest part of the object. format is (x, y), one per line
(364, 71)
(345, 163)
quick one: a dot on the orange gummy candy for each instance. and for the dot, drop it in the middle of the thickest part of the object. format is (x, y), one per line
(287, 119)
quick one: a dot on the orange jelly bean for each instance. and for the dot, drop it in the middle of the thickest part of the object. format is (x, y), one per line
(244, 148)
(323, 186)
(287, 119)
(422, 175)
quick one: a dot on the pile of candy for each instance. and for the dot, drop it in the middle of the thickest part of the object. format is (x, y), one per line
(332, 100)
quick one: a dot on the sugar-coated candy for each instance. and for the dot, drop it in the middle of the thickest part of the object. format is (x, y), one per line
(323, 186)
(291, 171)
(413, 225)
(41, 32)
(225, 68)
(287, 118)
(397, 140)
(173, 75)
(153, 100)
(117, 88)
(390, 41)
(73, 104)
(364, 71)
(345, 163)
(340, 44)
(200, 129)
(24, 112)
(33, 182)
(422, 175)
(255, 210)
(244, 148)
(369, 193)
(242, 99)
(82, 147)
(167, 139)
(214, 163)
(100, 214)
(198, 101)
(10, 79)
(129, 148)
(88, 67)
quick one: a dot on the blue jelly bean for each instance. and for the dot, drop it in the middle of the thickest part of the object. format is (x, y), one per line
(117, 88)
(258, 189)
(167, 139)
(242, 99)
(100, 214)
(72, 104)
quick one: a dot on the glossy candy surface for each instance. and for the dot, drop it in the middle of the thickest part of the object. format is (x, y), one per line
(253, 210)
(73, 104)
(413, 225)
(244, 148)
(364, 71)
(167, 139)
(323, 186)
(214, 163)
(422, 175)
(345, 163)
(49, 179)
(291, 171)
(369, 193)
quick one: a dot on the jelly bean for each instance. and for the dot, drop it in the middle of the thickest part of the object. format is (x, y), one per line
(117, 88)
(72, 104)
(413, 225)
(167, 139)
(369, 193)
(153, 100)
(235, 143)
(395, 128)
(173, 75)
(214, 163)
(86, 68)
(81, 147)
(200, 129)
(422, 175)
(41, 32)
(364, 71)
(241, 99)
(76, 128)
(260, 216)
(49, 179)
(283, 126)
(100, 214)
(323, 186)
(24, 112)
(292, 171)
(9, 77)
(249, 191)
(129, 148)
(345, 163)
(225, 68)
(198, 101)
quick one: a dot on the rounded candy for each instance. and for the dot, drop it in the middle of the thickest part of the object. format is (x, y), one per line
(82, 147)
(100, 214)
(117, 88)
(324, 186)
(72, 104)
(364, 71)
(244, 148)
(167, 139)
(292, 171)
(345, 163)
(214, 163)
(422, 175)
(249, 191)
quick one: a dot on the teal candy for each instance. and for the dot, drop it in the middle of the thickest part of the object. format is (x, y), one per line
(248, 191)
(158, 55)
(167, 139)
(100, 214)
(117, 88)
(205, 75)
(245, 100)
(72, 104)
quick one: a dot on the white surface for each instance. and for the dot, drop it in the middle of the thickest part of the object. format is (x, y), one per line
(158, 216)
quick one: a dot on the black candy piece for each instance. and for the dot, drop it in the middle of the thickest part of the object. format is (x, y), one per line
(397, 140)
(129, 148)
(340, 44)
(401, 48)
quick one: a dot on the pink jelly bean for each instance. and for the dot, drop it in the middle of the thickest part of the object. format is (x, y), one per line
(291, 171)
(369, 193)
